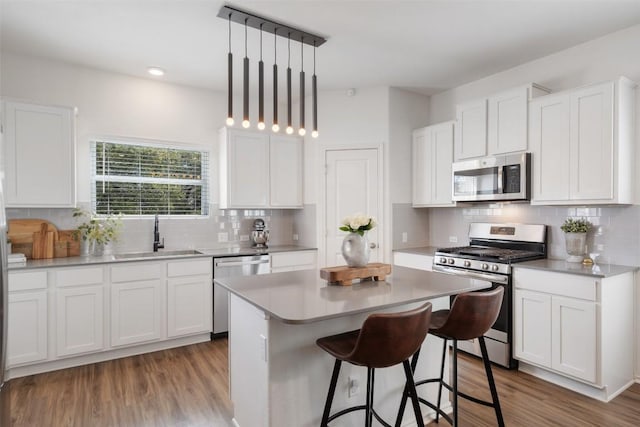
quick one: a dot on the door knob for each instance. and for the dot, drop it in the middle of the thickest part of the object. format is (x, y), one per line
(373, 245)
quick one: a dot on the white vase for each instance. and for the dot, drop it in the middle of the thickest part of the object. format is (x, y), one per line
(355, 250)
(576, 245)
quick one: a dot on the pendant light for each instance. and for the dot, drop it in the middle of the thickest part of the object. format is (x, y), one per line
(261, 87)
(302, 130)
(275, 126)
(314, 95)
(245, 84)
(230, 80)
(289, 127)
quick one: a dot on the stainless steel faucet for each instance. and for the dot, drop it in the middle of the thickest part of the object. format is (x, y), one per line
(156, 236)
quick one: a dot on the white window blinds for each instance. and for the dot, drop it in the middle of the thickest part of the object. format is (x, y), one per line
(146, 179)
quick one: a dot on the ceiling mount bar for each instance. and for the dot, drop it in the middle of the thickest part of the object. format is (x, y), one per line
(255, 21)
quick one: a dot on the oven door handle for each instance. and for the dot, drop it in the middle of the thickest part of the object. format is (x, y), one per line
(495, 278)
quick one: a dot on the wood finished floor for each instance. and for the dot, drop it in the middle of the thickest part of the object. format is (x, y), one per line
(187, 387)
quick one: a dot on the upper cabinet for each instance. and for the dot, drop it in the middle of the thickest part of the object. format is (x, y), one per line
(259, 170)
(432, 158)
(39, 155)
(494, 125)
(583, 145)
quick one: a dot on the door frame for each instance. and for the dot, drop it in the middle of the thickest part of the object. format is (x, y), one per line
(322, 201)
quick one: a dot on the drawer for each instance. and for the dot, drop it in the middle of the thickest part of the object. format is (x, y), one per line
(28, 280)
(194, 267)
(79, 276)
(136, 271)
(569, 285)
(293, 259)
(419, 262)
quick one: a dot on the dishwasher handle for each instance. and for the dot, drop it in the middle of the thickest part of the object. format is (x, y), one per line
(240, 263)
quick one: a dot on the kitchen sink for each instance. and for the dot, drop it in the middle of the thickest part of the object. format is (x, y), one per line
(159, 254)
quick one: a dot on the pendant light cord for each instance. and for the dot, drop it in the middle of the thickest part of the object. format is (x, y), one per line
(302, 54)
(245, 37)
(230, 32)
(289, 50)
(314, 57)
(261, 41)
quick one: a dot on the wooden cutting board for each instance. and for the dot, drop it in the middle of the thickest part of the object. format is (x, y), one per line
(344, 275)
(35, 238)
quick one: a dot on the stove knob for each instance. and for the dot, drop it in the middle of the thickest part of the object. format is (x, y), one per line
(443, 260)
(494, 268)
(485, 266)
(467, 263)
(451, 261)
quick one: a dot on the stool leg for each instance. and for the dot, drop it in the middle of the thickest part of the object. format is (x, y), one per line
(368, 422)
(444, 357)
(492, 384)
(332, 391)
(408, 372)
(455, 383)
(405, 393)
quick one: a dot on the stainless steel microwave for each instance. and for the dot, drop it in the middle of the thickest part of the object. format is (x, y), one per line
(500, 178)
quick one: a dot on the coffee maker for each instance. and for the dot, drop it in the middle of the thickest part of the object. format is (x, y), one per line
(259, 236)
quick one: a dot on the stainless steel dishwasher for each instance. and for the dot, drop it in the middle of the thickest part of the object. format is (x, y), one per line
(232, 267)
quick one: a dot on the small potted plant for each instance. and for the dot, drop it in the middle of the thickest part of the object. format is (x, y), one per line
(96, 232)
(575, 237)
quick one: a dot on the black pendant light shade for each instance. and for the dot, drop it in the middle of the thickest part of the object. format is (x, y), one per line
(302, 130)
(314, 95)
(289, 126)
(261, 87)
(245, 84)
(276, 126)
(230, 80)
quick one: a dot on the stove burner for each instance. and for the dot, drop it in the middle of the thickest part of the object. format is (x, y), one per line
(486, 252)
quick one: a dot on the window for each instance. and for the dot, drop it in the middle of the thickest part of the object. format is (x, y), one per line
(148, 179)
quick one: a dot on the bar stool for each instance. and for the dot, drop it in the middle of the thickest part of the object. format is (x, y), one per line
(471, 315)
(384, 340)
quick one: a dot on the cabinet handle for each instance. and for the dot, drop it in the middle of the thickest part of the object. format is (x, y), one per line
(373, 245)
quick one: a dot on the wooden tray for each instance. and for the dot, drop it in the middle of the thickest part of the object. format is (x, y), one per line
(344, 275)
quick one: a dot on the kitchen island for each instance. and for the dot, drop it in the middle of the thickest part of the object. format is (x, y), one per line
(279, 377)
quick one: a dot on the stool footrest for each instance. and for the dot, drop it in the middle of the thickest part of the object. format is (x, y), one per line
(358, 408)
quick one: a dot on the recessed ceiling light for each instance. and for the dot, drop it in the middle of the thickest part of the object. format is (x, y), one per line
(155, 71)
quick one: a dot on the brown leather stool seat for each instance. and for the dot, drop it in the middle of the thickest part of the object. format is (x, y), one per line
(384, 340)
(470, 317)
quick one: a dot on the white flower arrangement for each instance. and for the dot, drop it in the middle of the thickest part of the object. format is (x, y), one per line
(358, 223)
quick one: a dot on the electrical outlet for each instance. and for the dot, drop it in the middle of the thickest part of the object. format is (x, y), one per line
(295, 237)
(223, 237)
(244, 237)
(405, 237)
(354, 386)
(453, 239)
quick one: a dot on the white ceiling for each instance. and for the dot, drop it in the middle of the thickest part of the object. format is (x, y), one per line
(426, 46)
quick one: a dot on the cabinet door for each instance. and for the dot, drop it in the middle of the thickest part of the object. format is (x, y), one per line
(507, 121)
(293, 261)
(591, 157)
(39, 150)
(285, 170)
(190, 308)
(442, 158)
(136, 310)
(79, 319)
(471, 130)
(532, 322)
(27, 327)
(247, 170)
(574, 341)
(422, 167)
(549, 138)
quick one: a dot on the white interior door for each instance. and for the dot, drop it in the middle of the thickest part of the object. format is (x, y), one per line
(352, 186)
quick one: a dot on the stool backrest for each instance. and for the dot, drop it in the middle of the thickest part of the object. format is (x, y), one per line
(472, 314)
(387, 339)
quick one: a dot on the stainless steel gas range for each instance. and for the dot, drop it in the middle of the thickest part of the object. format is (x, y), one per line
(491, 251)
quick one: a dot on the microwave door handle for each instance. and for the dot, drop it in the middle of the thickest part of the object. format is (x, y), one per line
(501, 177)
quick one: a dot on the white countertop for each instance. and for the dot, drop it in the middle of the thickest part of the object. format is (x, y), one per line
(562, 266)
(303, 297)
(422, 250)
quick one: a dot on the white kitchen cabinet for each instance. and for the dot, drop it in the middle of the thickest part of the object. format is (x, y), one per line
(293, 261)
(413, 260)
(285, 171)
(259, 170)
(79, 310)
(190, 297)
(40, 155)
(575, 330)
(27, 318)
(431, 167)
(495, 125)
(136, 303)
(583, 145)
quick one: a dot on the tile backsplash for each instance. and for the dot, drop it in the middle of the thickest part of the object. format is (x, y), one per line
(615, 235)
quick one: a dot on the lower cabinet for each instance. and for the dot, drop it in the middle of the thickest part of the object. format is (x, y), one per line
(79, 308)
(190, 297)
(136, 303)
(578, 327)
(292, 261)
